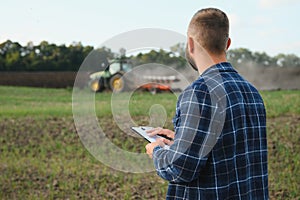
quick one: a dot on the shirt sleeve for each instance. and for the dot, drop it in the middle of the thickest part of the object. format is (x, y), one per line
(185, 158)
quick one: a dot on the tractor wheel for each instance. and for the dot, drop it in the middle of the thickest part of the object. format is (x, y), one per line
(96, 85)
(153, 90)
(117, 83)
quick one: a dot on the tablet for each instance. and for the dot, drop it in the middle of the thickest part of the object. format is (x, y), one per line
(141, 130)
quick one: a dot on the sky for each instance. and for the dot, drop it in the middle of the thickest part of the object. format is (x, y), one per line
(269, 26)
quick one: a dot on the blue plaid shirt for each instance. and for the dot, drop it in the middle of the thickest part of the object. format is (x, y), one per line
(220, 145)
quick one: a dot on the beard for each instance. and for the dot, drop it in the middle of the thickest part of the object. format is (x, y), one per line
(189, 59)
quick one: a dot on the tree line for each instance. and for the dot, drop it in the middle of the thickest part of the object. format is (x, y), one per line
(51, 57)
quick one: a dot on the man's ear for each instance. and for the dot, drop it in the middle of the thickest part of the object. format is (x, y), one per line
(191, 45)
(228, 43)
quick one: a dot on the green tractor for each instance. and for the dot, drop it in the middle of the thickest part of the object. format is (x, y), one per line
(111, 77)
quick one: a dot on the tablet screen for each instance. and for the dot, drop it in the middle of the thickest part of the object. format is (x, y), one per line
(141, 130)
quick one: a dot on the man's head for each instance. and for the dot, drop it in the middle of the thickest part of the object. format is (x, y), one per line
(209, 32)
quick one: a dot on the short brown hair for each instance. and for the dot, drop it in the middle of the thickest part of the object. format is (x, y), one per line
(210, 27)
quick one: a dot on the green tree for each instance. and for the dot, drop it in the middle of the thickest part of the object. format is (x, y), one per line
(287, 60)
(179, 49)
(239, 56)
(262, 59)
(50, 57)
(160, 57)
(12, 55)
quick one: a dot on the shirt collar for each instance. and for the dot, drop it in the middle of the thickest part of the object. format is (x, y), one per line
(219, 67)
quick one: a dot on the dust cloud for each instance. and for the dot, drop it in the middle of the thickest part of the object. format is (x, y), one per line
(271, 78)
(262, 77)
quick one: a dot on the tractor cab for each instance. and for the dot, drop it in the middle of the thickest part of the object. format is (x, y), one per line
(119, 66)
(111, 76)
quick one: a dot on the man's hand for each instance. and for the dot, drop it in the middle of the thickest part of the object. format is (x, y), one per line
(152, 145)
(162, 132)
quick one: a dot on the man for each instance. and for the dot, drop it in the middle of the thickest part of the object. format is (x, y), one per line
(219, 147)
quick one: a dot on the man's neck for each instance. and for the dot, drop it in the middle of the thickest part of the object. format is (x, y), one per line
(210, 61)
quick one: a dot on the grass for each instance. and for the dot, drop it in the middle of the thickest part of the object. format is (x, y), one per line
(25, 101)
(42, 157)
(37, 102)
(280, 103)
